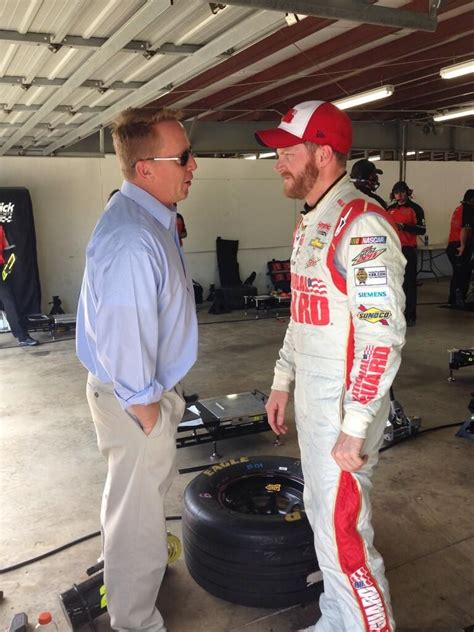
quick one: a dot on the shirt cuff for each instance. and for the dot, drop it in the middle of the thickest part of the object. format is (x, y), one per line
(281, 381)
(356, 424)
(149, 395)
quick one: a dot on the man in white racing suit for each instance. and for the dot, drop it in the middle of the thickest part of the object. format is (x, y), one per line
(342, 347)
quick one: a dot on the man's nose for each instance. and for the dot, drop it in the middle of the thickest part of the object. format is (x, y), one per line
(192, 164)
(279, 167)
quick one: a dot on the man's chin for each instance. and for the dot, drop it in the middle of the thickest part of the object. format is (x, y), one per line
(290, 192)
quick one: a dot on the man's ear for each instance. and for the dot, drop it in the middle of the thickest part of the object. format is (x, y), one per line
(324, 155)
(143, 169)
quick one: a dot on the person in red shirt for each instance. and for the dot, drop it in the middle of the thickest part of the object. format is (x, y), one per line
(459, 250)
(7, 299)
(410, 220)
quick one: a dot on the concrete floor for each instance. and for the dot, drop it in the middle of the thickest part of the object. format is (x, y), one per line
(52, 476)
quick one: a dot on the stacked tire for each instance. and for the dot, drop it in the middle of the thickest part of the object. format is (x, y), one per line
(246, 537)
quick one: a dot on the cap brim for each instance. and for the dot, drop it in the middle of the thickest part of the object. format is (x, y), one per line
(379, 171)
(276, 138)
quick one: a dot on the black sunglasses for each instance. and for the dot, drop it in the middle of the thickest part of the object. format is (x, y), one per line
(182, 159)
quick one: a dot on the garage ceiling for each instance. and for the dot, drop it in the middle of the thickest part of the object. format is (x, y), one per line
(67, 67)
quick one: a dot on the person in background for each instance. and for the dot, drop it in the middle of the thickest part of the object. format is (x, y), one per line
(181, 228)
(137, 336)
(410, 220)
(342, 348)
(460, 248)
(16, 320)
(365, 176)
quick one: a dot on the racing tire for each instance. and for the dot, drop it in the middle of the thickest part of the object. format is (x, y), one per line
(246, 537)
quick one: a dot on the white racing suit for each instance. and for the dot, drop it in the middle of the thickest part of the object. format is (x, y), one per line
(342, 347)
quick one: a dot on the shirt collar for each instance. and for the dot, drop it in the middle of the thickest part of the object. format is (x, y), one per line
(158, 210)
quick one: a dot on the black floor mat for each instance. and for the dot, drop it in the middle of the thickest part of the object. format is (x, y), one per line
(468, 307)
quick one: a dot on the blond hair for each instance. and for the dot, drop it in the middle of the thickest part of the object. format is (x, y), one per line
(135, 136)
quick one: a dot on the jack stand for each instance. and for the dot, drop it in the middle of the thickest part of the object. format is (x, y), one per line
(215, 454)
(399, 426)
(459, 358)
(467, 429)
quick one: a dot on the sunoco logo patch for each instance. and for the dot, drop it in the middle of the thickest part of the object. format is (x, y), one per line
(374, 315)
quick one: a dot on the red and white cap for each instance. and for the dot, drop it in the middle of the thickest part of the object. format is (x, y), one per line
(319, 122)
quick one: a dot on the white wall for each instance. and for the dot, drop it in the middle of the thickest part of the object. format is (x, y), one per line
(231, 198)
(437, 187)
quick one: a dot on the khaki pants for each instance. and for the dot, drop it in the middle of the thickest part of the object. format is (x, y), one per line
(140, 471)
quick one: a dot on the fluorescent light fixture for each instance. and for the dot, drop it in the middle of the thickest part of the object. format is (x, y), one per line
(410, 153)
(294, 18)
(267, 154)
(374, 158)
(364, 97)
(450, 72)
(454, 114)
(250, 157)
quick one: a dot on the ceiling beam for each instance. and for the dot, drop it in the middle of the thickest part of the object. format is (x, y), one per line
(295, 64)
(241, 32)
(297, 89)
(94, 43)
(360, 11)
(271, 44)
(68, 109)
(139, 21)
(410, 70)
(94, 84)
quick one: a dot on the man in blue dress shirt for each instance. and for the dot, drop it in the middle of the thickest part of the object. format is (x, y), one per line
(137, 336)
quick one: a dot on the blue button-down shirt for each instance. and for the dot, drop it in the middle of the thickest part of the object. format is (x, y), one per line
(136, 320)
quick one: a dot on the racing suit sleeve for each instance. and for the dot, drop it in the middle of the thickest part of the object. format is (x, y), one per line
(284, 368)
(376, 301)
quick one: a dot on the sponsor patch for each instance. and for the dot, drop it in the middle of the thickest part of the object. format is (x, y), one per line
(323, 229)
(6, 212)
(372, 367)
(374, 296)
(309, 301)
(367, 254)
(373, 275)
(317, 243)
(370, 600)
(371, 239)
(374, 315)
(324, 226)
(312, 262)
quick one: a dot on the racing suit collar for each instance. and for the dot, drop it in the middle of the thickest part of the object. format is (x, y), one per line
(310, 212)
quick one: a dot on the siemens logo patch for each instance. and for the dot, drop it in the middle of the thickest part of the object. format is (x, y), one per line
(375, 296)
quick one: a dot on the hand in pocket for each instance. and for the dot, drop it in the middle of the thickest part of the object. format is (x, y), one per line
(147, 415)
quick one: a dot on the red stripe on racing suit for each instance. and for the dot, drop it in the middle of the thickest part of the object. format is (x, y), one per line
(352, 556)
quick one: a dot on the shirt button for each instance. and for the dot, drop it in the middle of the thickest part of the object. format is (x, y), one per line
(96, 394)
